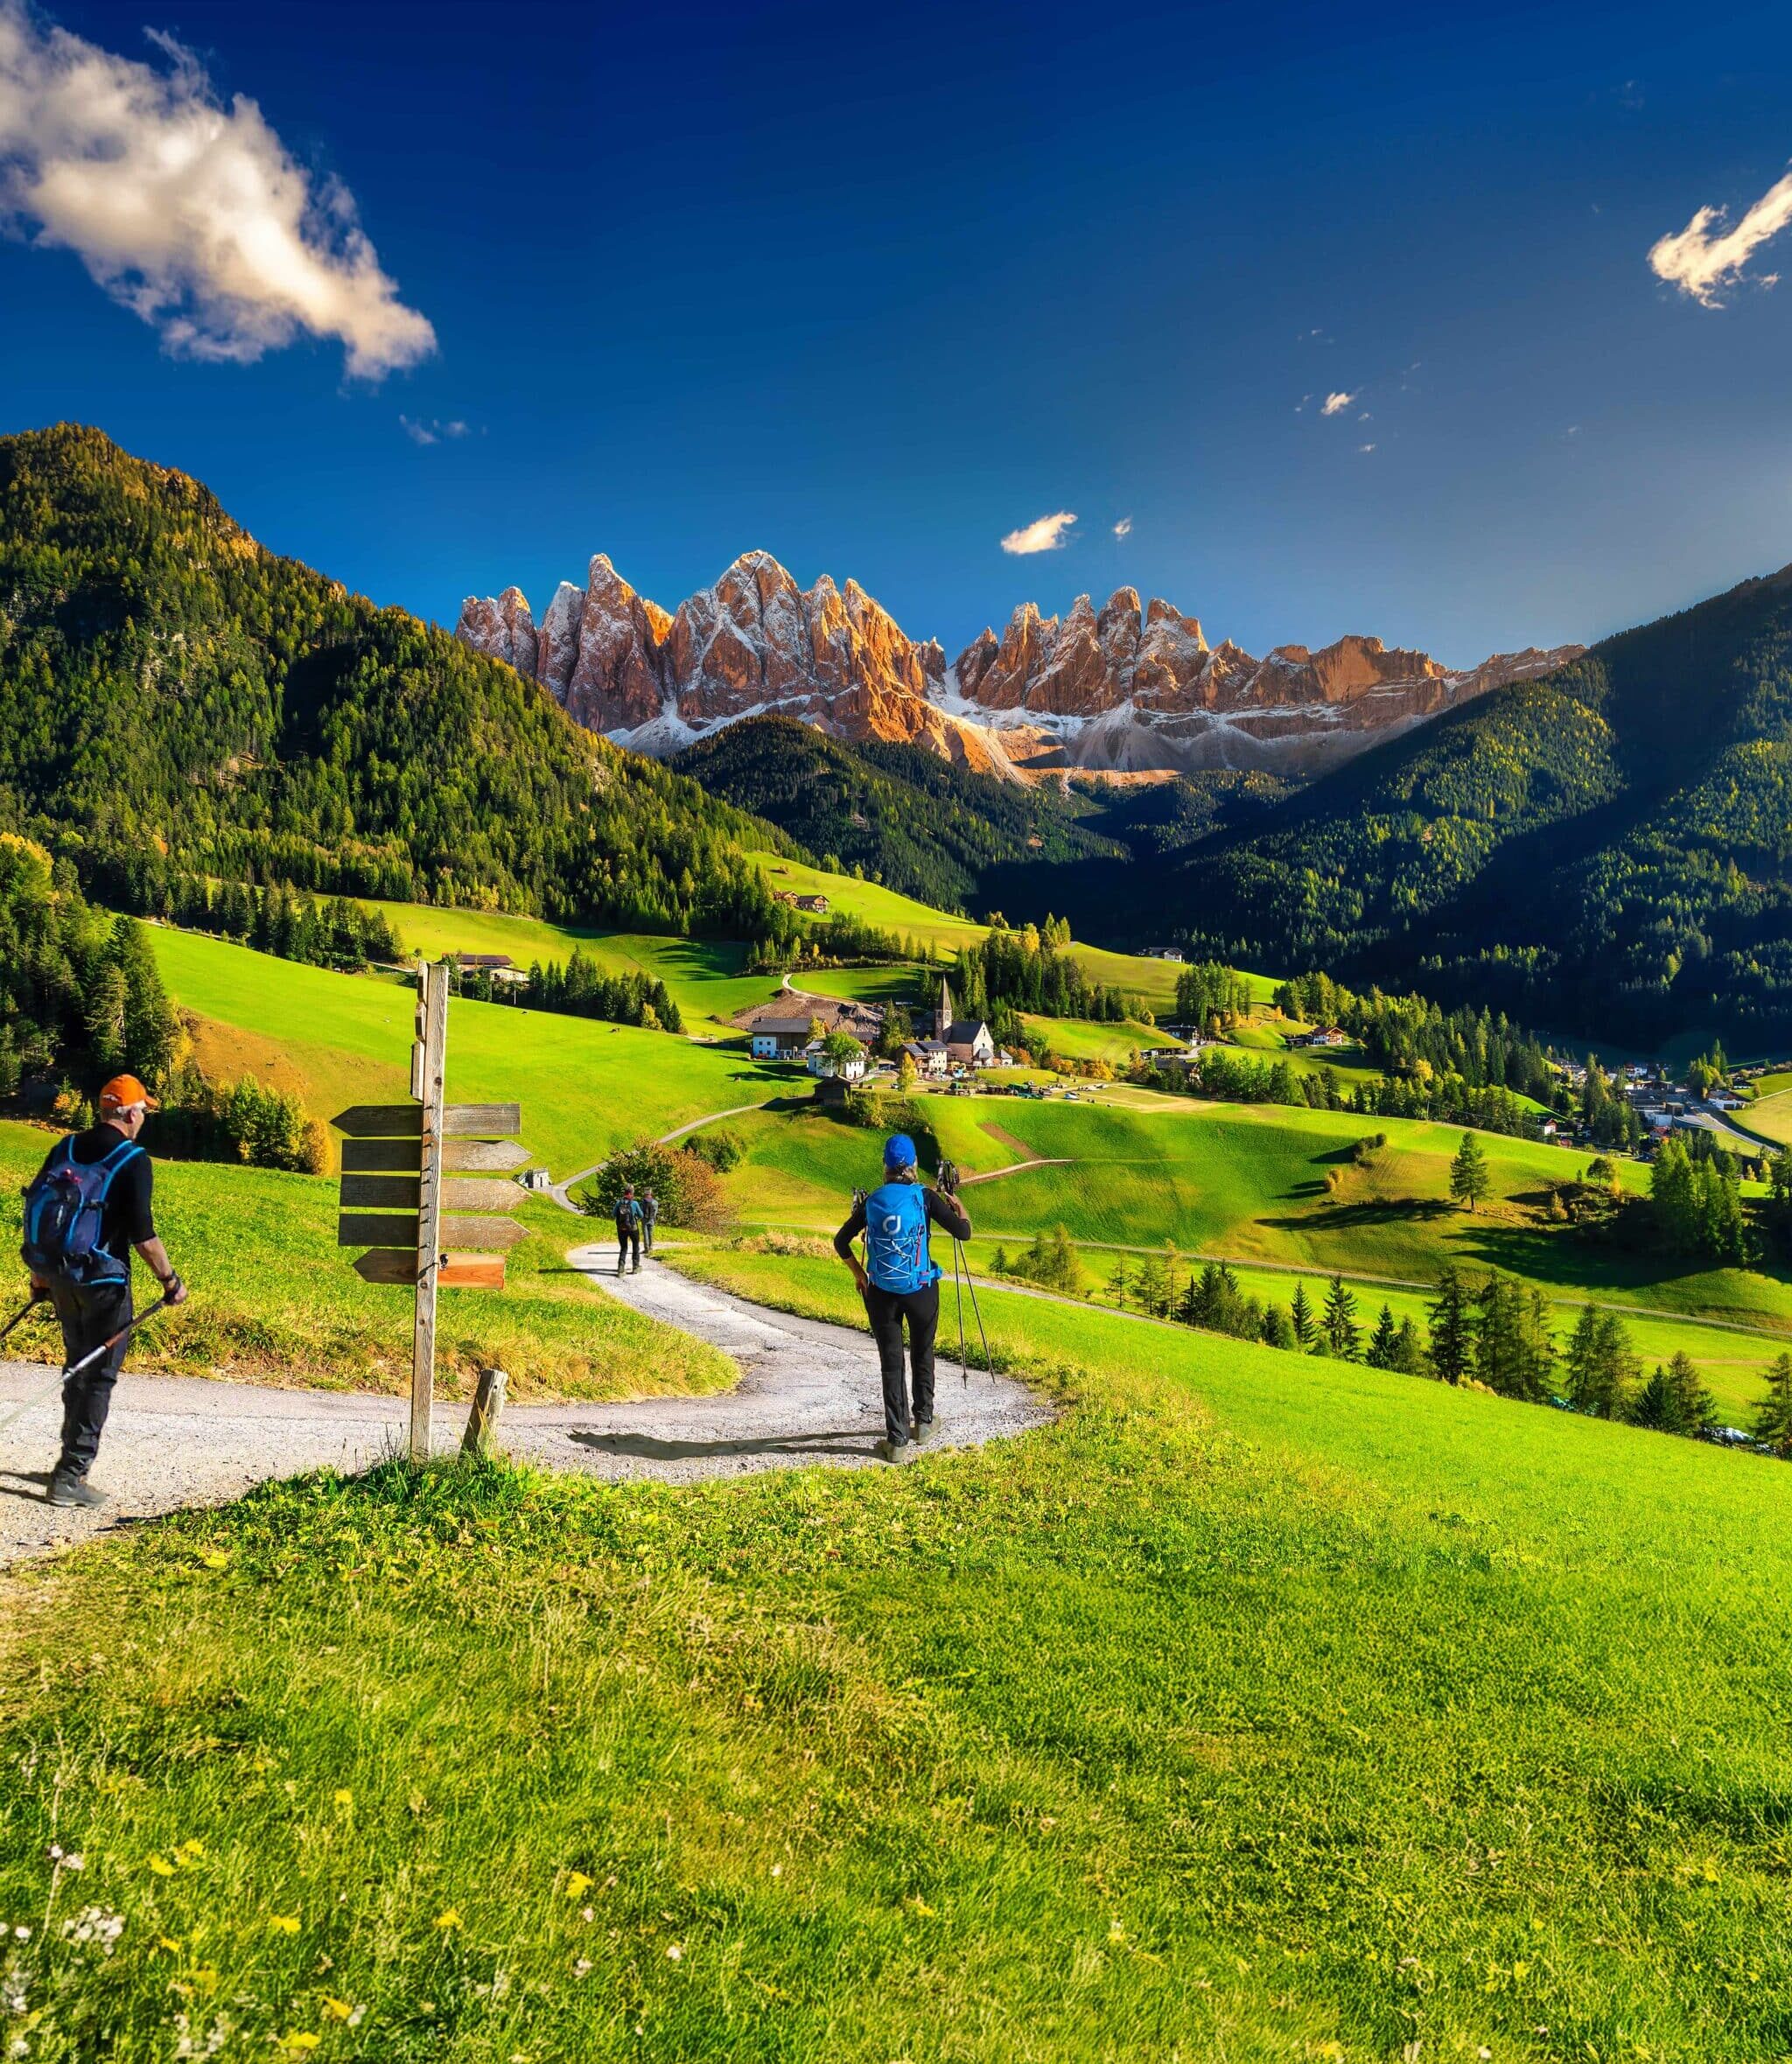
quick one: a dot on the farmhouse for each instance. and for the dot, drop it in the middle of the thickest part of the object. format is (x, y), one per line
(778, 1039)
(820, 1062)
(815, 906)
(1326, 1035)
(929, 1056)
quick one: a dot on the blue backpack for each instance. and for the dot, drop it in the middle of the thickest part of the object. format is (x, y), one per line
(896, 1254)
(64, 1210)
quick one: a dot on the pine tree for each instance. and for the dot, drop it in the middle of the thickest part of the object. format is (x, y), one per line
(1385, 1344)
(1278, 1329)
(1586, 1384)
(1452, 1328)
(1468, 1172)
(1772, 1419)
(1409, 1350)
(1343, 1336)
(1300, 1315)
(1120, 1283)
(1695, 1407)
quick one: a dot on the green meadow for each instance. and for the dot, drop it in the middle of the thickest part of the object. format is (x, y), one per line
(275, 1300)
(1251, 1183)
(1261, 1708)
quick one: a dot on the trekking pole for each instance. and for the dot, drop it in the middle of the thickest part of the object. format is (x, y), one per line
(24, 1312)
(107, 1345)
(958, 1292)
(37, 1397)
(971, 1284)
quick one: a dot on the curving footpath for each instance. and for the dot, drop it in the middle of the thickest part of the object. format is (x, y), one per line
(807, 1394)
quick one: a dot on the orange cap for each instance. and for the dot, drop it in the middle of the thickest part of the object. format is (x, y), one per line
(124, 1092)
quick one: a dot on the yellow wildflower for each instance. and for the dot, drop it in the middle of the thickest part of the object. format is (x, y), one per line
(342, 1796)
(162, 1868)
(578, 1884)
(450, 1918)
(338, 2010)
(284, 1924)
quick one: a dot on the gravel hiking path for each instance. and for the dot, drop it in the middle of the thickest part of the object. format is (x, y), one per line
(808, 1393)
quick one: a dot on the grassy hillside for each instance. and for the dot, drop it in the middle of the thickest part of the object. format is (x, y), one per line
(1256, 1182)
(1603, 850)
(585, 1086)
(274, 1297)
(928, 829)
(174, 700)
(1260, 1709)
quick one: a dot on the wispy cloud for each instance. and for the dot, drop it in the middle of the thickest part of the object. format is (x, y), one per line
(1365, 447)
(1044, 534)
(431, 432)
(1706, 257)
(1335, 403)
(193, 215)
(1123, 527)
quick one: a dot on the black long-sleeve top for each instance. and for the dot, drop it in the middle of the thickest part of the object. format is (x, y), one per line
(945, 1212)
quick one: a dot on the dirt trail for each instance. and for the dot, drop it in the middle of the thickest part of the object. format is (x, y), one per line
(808, 1393)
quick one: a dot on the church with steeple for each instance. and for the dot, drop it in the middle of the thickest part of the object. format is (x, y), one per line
(968, 1041)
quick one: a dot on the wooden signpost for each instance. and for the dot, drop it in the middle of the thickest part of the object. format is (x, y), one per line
(424, 1190)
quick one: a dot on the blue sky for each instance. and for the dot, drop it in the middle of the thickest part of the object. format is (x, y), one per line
(876, 289)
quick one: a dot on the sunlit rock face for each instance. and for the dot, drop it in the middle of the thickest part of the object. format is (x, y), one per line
(1130, 687)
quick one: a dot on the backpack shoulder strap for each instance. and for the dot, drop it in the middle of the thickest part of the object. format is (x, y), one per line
(110, 1164)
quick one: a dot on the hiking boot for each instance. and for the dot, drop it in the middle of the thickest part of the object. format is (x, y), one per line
(921, 1432)
(67, 1488)
(894, 1450)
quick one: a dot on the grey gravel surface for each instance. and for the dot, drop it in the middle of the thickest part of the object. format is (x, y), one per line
(807, 1394)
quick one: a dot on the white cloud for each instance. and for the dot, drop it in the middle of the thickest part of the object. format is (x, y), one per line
(1365, 447)
(1044, 534)
(431, 432)
(1335, 404)
(1123, 527)
(192, 215)
(1705, 257)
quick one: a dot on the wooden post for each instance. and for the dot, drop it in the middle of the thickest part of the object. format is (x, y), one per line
(429, 1075)
(481, 1436)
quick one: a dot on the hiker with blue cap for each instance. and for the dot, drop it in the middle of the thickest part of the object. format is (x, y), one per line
(899, 1282)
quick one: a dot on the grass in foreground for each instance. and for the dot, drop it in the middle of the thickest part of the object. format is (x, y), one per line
(275, 1300)
(1259, 1710)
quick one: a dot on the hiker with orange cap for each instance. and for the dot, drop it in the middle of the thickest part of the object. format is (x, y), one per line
(88, 1206)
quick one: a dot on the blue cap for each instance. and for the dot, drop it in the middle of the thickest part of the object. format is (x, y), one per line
(898, 1152)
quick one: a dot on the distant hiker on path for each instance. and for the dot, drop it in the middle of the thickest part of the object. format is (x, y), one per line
(629, 1221)
(649, 1219)
(898, 1280)
(88, 1206)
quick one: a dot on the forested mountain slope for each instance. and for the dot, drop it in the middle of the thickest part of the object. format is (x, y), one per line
(1605, 850)
(924, 826)
(174, 698)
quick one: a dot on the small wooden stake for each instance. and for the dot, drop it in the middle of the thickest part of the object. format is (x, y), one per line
(481, 1436)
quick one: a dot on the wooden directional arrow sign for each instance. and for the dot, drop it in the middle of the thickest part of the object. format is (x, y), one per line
(386, 1265)
(470, 1271)
(380, 1121)
(460, 1194)
(480, 1121)
(477, 1157)
(381, 1193)
(382, 1157)
(378, 1229)
(486, 1234)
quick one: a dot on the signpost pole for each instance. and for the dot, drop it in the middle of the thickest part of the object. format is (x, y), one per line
(429, 1075)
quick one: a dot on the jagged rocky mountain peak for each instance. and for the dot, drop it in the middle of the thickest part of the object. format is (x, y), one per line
(1130, 686)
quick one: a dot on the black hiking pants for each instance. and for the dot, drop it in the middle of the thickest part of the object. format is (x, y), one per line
(627, 1240)
(886, 1309)
(88, 1317)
